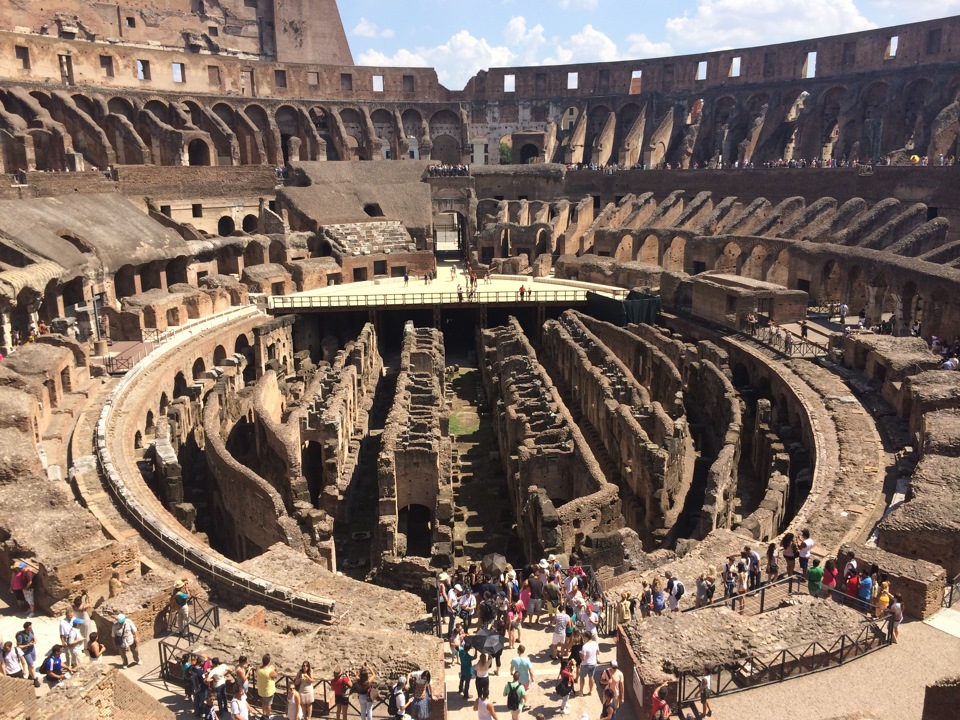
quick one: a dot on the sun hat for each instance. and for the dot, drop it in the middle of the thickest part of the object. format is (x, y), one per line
(121, 617)
(543, 563)
(179, 584)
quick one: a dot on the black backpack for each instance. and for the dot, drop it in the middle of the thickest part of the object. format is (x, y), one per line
(393, 704)
(513, 696)
(678, 589)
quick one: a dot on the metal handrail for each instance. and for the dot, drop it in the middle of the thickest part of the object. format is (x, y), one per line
(307, 302)
(951, 593)
(757, 598)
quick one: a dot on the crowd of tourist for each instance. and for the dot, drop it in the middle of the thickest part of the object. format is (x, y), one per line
(448, 170)
(789, 163)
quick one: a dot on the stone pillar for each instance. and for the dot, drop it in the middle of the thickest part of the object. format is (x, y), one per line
(874, 304)
(901, 325)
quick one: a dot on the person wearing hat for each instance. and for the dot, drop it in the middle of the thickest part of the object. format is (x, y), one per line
(180, 608)
(21, 583)
(126, 639)
(612, 679)
(453, 607)
(75, 642)
(443, 585)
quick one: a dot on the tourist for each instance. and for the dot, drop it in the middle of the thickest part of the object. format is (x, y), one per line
(81, 609)
(294, 706)
(660, 706)
(20, 580)
(865, 591)
(453, 607)
(612, 680)
(829, 583)
(551, 596)
(267, 685)
(53, 669)
(341, 686)
(467, 608)
(590, 619)
(741, 588)
(754, 568)
(66, 624)
(239, 710)
(14, 664)
(773, 562)
(515, 693)
(197, 678)
(421, 692)
(588, 662)
(852, 589)
(564, 688)
(521, 667)
(217, 680)
(705, 693)
(75, 642)
(126, 639)
(522, 291)
(791, 551)
(675, 591)
(646, 599)
(806, 546)
(482, 672)
(657, 597)
(514, 620)
(95, 648)
(609, 710)
(535, 582)
(896, 612)
(485, 709)
(466, 671)
(562, 624)
(397, 703)
(815, 578)
(179, 608)
(303, 682)
(406, 279)
(706, 587)
(363, 687)
(242, 673)
(27, 642)
(730, 577)
(843, 313)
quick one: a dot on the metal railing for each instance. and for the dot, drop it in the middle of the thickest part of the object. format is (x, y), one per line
(796, 661)
(785, 341)
(951, 594)
(313, 302)
(758, 601)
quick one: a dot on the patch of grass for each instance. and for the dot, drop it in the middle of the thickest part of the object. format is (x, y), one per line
(462, 424)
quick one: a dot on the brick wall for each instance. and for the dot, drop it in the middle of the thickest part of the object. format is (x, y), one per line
(942, 699)
(17, 698)
(920, 583)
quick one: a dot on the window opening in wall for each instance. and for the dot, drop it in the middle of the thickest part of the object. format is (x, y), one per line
(932, 213)
(131, 22)
(143, 69)
(23, 55)
(106, 65)
(165, 210)
(379, 267)
(892, 44)
(702, 70)
(250, 3)
(636, 82)
(734, 67)
(596, 202)
(573, 81)
(213, 31)
(213, 74)
(810, 65)
(509, 83)
(66, 69)
(179, 72)
(280, 78)
(933, 41)
(849, 54)
(409, 84)
(346, 82)
(313, 78)
(359, 274)
(378, 83)
(198, 210)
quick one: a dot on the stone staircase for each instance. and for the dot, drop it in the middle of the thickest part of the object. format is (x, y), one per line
(369, 238)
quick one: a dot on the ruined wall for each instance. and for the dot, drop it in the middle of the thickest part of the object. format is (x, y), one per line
(919, 583)
(557, 490)
(414, 467)
(652, 452)
(941, 698)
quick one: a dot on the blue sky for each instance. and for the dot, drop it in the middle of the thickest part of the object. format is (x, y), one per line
(460, 37)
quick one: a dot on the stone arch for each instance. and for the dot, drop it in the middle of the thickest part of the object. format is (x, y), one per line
(122, 106)
(226, 226)
(176, 270)
(320, 117)
(382, 121)
(353, 124)
(856, 293)
(778, 268)
(624, 251)
(752, 266)
(86, 105)
(199, 368)
(199, 153)
(257, 115)
(289, 124)
(149, 424)
(180, 385)
(446, 149)
(125, 282)
(250, 223)
(160, 109)
(935, 310)
(164, 404)
(831, 283)
(729, 259)
(674, 255)
(253, 254)
(911, 301)
(649, 252)
(444, 122)
(278, 251)
(831, 104)
(219, 355)
(913, 130)
(529, 153)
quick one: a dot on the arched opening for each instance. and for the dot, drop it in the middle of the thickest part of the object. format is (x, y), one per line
(125, 282)
(779, 271)
(253, 254)
(198, 153)
(649, 253)
(148, 426)
(312, 464)
(199, 368)
(856, 290)
(729, 259)
(752, 266)
(529, 153)
(250, 223)
(673, 258)
(179, 385)
(741, 376)
(137, 440)
(219, 355)
(278, 251)
(242, 347)
(831, 283)
(415, 522)
(226, 226)
(164, 404)
(176, 270)
(373, 210)
(446, 150)
(624, 251)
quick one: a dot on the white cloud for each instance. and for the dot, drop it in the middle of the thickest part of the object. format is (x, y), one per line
(588, 45)
(525, 43)
(742, 23)
(643, 47)
(367, 29)
(579, 4)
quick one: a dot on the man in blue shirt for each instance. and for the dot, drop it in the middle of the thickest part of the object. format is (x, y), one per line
(865, 593)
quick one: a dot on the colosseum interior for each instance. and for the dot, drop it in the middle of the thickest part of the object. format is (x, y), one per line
(241, 347)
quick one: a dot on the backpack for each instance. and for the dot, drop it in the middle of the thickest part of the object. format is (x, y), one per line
(46, 665)
(678, 589)
(392, 704)
(513, 696)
